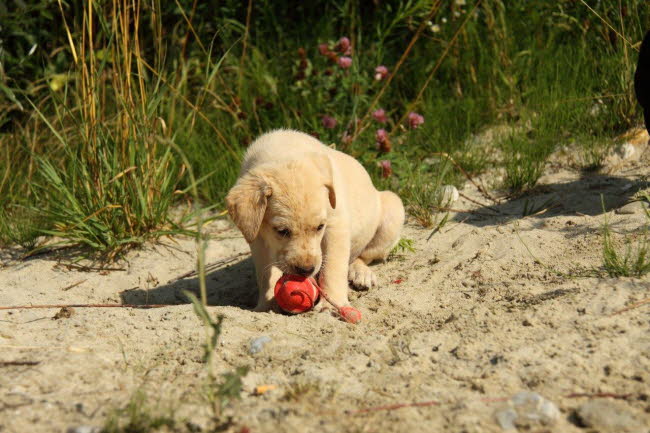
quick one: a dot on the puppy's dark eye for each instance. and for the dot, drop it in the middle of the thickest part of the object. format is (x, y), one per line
(285, 233)
(320, 227)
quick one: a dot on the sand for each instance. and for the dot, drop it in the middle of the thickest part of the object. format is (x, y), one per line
(490, 305)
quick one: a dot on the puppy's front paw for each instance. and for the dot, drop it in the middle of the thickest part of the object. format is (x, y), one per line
(361, 276)
(262, 306)
(322, 306)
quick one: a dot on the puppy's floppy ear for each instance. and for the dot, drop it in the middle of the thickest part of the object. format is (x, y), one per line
(325, 167)
(247, 202)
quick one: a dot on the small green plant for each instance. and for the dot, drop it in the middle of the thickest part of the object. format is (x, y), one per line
(105, 207)
(422, 193)
(213, 327)
(19, 226)
(139, 417)
(420, 202)
(594, 154)
(403, 245)
(439, 224)
(531, 208)
(300, 390)
(229, 389)
(524, 162)
(218, 392)
(632, 260)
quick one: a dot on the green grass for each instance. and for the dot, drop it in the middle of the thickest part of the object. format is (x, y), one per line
(138, 416)
(632, 259)
(404, 245)
(96, 159)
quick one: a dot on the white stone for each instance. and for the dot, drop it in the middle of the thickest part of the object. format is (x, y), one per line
(527, 409)
(608, 417)
(448, 194)
(626, 150)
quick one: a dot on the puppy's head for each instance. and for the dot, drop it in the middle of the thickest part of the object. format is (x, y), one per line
(286, 204)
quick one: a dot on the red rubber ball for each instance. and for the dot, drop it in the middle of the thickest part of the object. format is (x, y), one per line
(295, 294)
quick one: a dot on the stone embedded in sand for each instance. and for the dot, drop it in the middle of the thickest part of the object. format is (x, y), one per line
(626, 150)
(83, 429)
(448, 194)
(632, 208)
(258, 344)
(526, 410)
(506, 418)
(608, 417)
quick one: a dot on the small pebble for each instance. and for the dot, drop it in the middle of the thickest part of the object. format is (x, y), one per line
(626, 150)
(83, 429)
(506, 418)
(258, 343)
(527, 409)
(448, 194)
(632, 208)
(608, 417)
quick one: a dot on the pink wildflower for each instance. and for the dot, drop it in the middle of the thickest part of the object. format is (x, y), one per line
(344, 45)
(381, 72)
(386, 169)
(383, 141)
(415, 119)
(380, 116)
(323, 49)
(345, 62)
(329, 122)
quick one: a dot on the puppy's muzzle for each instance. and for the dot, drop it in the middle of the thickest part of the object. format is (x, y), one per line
(305, 272)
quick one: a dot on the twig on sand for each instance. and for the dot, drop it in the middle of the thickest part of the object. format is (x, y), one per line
(479, 203)
(474, 212)
(394, 406)
(42, 250)
(598, 395)
(18, 363)
(144, 306)
(458, 224)
(484, 400)
(211, 266)
(631, 307)
(73, 285)
(84, 268)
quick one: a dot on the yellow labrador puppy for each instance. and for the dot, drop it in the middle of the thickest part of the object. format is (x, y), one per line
(307, 209)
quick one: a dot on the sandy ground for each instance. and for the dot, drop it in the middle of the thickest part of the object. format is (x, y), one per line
(467, 320)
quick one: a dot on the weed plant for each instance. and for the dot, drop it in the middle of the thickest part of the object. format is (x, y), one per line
(632, 259)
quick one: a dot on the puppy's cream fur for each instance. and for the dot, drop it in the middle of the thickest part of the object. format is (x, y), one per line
(306, 208)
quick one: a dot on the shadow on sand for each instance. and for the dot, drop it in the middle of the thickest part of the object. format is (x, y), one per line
(574, 198)
(231, 284)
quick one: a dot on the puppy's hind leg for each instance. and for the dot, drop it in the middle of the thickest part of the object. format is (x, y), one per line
(387, 235)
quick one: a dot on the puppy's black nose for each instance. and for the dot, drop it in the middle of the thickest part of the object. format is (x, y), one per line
(304, 271)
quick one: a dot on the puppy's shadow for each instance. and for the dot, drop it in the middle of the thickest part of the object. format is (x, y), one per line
(232, 284)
